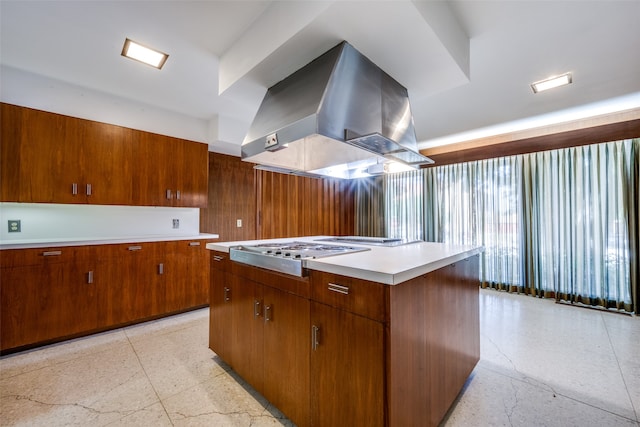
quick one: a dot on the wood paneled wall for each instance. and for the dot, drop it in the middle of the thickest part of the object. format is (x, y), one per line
(232, 196)
(290, 206)
(273, 205)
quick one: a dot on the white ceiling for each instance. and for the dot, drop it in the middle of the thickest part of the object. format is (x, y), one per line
(467, 64)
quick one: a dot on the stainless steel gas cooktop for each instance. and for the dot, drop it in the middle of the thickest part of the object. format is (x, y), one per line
(287, 257)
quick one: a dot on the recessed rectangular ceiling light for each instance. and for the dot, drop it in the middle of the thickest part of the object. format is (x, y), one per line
(552, 82)
(144, 54)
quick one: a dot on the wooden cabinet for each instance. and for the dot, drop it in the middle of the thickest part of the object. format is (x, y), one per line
(51, 158)
(171, 172)
(136, 289)
(347, 369)
(47, 294)
(53, 293)
(364, 353)
(286, 352)
(186, 274)
(263, 333)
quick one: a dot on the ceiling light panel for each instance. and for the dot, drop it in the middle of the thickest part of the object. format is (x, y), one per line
(551, 82)
(138, 52)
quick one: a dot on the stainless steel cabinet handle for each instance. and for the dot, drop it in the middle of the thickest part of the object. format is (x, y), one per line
(88, 189)
(256, 308)
(194, 243)
(227, 293)
(315, 335)
(168, 194)
(135, 248)
(74, 188)
(51, 253)
(218, 258)
(177, 194)
(267, 313)
(90, 277)
(160, 268)
(338, 288)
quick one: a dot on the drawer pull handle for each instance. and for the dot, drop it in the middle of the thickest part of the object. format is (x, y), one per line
(227, 293)
(218, 258)
(267, 313)
(194, 243)
(135, 248)
(51, 253)
(74, 188)
(177, 194)
(338, 288)
(90, 277)
(89, 190)
(160, 268)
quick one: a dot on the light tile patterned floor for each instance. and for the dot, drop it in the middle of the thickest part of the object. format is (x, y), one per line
(542, 364)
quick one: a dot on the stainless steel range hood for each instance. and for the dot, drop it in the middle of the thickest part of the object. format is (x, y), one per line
(340, 115)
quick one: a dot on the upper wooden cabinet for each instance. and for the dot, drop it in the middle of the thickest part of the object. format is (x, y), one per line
(181, 179)
(51, 158)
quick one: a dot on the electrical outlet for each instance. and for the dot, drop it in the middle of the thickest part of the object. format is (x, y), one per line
(14, 226)
(176, 223)
(238, 223)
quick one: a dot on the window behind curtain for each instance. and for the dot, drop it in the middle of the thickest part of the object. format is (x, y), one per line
(479, 203)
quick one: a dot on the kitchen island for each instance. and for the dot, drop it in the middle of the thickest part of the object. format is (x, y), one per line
(382, 337)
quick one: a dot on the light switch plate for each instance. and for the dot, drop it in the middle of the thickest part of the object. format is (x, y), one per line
(14, 226)
(238, 223)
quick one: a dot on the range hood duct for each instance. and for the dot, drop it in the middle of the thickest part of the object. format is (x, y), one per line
(337, 116)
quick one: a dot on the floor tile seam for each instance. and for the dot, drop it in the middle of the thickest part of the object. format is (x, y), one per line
(149, 379)
(554, 392)
(76, 356)
(156, 333)
(624, 380)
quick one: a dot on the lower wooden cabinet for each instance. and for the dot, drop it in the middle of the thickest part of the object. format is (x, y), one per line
(262, 333)
(347, 369)
(55, 293)
(329, 350)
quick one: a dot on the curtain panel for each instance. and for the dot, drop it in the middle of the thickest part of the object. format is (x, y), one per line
(560, 223)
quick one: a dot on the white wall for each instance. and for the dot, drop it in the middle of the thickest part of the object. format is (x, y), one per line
(42, 222)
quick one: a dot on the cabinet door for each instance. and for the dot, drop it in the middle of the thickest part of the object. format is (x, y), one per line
(186, 271)
(133, 288)
(155, 169)
(286, 353)
(347, 369)
(220, 314)
(10, 139)
(49, 154)
(45, 302)
(245, 347)
(107, 163)
(191, 174)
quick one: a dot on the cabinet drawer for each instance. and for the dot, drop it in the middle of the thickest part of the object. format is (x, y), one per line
(369, 299)
(220, 261)
(37, 256)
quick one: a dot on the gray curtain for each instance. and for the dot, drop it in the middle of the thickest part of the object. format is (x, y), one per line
(560, 223)
(579, 238)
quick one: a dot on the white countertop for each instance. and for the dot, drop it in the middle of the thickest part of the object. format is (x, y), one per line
(389, 265)
(35, 243)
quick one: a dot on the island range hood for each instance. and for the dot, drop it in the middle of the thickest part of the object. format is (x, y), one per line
(339, 116)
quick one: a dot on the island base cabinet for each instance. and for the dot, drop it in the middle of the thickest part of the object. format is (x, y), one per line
(262, 334)
(434, 342)
(347, 369)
